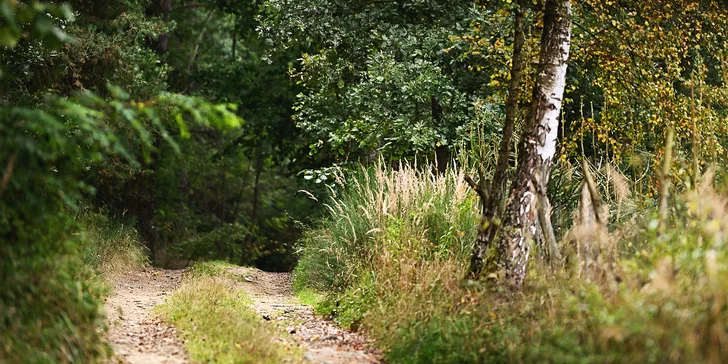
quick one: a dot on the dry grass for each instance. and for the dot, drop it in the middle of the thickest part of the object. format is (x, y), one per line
(112, 248)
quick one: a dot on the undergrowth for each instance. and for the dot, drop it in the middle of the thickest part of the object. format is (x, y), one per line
(111, 247)
(50, 304)
(392, 255)
(216, 321)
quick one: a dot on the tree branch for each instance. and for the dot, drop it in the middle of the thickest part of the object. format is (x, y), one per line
(8, 172)
(477, 188)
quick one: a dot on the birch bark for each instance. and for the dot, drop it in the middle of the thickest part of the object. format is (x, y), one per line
(539, 142)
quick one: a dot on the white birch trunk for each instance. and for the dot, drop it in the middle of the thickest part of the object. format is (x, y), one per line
(539, 141)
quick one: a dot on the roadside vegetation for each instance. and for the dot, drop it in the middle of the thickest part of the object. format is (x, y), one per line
(392, 255)
(94, 254)
(111, 247)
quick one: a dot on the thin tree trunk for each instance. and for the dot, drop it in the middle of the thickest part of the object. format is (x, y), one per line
(163, 8)
(254, 217)
(665, 179)
(539, 142)
(145, 207)
(235, 37)
(493, 200)
(199, 41)
(442, 152)
(223, 198)
(239, 197)
(544, 218)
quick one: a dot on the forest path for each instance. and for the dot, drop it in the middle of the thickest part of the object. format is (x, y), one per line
(321, 340)
(136, 334)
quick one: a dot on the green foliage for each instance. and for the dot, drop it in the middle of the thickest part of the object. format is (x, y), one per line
(42, 266)
(382, 81)
(96, 51)
(228, 194)
(36, 19)
(50, 298)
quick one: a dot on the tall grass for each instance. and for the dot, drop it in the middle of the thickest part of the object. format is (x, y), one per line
(383, 217)
(392, 254)
(111, 247)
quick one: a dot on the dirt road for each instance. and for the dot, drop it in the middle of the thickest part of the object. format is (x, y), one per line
(322, 341)
(135, 333)
(138, 336)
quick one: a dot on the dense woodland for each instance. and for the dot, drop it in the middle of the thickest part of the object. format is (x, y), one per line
(464, 181)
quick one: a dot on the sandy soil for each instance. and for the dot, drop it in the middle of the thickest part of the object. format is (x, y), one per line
(139, 336)
(135, 333)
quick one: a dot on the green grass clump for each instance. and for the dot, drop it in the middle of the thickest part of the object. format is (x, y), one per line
(309, 297)
(392, 256)
(213, 268)
(381, 217)
(216, 321)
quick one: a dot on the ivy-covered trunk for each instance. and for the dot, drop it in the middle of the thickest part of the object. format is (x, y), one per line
(539, 142)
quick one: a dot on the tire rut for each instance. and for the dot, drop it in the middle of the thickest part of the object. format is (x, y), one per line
(135, 333)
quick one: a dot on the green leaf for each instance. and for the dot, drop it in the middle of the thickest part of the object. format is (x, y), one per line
(8, 36)
(56, 38)
(62, 12)
(42, 25)
(118, 92)
(7, 13)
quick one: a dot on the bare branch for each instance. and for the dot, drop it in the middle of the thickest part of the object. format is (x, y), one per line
(595, 199)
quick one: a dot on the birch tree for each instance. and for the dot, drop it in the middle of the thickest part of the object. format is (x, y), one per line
(538, 143)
